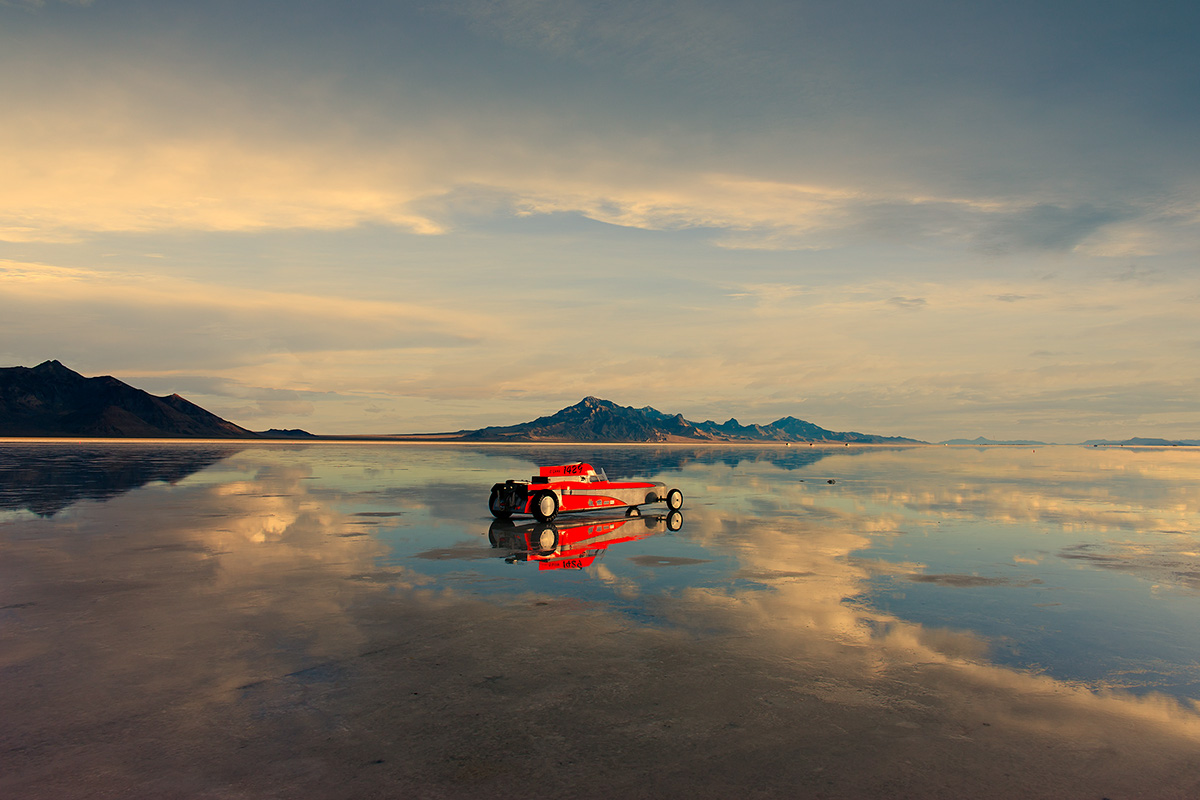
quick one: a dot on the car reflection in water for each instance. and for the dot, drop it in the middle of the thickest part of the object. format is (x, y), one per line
(575, 546)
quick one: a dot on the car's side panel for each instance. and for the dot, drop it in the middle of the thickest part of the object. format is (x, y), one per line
(576, 498)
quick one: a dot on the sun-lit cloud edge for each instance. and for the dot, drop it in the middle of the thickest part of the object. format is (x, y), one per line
(846, 357)
(131, 169)
(245, 187)
(34, 282)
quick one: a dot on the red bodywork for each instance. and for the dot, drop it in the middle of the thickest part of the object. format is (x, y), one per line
(575, 487)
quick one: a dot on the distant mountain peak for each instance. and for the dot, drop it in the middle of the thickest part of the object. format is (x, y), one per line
(594, 402)
(982, 441)
(53, 367)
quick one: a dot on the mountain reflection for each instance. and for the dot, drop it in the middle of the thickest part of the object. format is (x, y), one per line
(45, 478)
(641, 460)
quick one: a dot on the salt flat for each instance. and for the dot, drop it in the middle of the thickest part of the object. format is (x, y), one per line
(328, 621)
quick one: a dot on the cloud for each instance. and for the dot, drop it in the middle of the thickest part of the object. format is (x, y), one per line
(140, 143)
(35, 4)
(167, 321)
(141, 183)
(656, 40)
(266, 403)
(1135, 274)
(1047, 226)
(233, 176)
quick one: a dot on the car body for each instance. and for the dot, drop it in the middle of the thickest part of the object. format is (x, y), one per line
(578, 545)
(576, 487)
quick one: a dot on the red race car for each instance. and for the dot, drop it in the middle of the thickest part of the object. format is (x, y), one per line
(576, 487)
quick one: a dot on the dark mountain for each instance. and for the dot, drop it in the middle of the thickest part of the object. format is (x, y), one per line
(289, 433)
(51, 400)
(596, 420)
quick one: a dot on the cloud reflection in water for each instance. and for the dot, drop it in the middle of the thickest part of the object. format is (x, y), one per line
(242, 614)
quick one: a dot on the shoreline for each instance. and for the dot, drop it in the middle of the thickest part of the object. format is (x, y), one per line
(404, 439)
(436, 442)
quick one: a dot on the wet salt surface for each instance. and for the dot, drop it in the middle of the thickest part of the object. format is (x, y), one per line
(328, 620)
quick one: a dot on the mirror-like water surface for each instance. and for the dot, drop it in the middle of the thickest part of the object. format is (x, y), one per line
(293, 620)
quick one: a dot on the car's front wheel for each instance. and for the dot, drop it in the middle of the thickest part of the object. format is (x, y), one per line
(674, 499)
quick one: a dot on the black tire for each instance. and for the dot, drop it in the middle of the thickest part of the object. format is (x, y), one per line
(633, 511)
(674, 499)
(498, 510)
(544, 506)
(674, 521)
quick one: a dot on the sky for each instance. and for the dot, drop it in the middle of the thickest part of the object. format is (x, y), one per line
(926, 219)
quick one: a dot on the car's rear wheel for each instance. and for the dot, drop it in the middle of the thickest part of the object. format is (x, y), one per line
(633, 511)
(545, 506)
(498, 509)
(674, 499)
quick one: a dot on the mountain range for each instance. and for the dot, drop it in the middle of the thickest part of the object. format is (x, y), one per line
(595, 420)
(50, 400)
(983, 441)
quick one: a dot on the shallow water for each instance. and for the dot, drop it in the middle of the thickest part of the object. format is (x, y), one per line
(303, 600)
